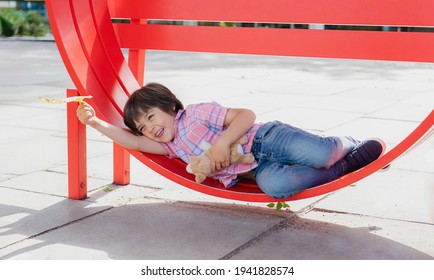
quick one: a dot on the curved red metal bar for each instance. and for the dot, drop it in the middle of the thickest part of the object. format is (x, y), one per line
(92, 55)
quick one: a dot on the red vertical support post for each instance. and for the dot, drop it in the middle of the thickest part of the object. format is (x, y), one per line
(121, 158)
(136, 58)
(121, 165)
(77, 170)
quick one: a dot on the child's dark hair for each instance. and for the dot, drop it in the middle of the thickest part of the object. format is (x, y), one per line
(150, 96)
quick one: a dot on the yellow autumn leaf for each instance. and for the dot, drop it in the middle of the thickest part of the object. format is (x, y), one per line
(78, 99)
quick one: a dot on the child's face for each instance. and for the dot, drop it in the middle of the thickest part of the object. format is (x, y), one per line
(157, 125)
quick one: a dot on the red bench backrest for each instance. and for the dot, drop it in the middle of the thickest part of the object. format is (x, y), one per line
(378, 45)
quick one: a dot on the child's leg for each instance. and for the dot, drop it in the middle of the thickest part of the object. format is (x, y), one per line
(281, 180)
(284, 143)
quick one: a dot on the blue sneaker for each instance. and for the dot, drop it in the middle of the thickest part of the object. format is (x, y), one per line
(365, 153)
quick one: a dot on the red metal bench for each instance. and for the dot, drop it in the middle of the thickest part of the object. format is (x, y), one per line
(90, 46)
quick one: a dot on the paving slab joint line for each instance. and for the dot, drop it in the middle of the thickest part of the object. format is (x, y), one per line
(279, 226)
(285, 223)
(57, 227)
(369, 216)
(28, 191)
(311, 207)
(235, 209)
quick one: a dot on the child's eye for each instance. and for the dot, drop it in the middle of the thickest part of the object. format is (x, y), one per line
(150, 117)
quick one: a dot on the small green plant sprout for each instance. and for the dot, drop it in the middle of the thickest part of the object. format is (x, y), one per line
(278, 206)
(108, 189)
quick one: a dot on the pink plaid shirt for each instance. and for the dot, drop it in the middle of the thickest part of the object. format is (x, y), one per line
(205, 122)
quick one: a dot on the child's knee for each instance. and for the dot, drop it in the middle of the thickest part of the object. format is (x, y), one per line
(280, 186)
(338, 148)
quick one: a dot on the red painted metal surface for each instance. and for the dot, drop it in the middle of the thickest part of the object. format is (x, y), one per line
(353, 12)
(91, 50)
(396, 46)
(121, 165)
(77, 172)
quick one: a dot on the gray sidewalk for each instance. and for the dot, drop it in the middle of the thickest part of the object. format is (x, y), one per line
(385, 216)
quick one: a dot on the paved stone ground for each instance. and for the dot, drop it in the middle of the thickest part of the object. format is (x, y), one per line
(386, 216)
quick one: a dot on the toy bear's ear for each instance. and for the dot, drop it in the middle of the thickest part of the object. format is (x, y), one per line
(193, 161)
(192, 165)
(188, 168)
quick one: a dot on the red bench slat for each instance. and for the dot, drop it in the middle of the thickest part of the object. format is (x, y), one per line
(350, 12)
(377, 45)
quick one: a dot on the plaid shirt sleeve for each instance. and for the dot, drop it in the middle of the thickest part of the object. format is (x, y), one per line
(210, 114)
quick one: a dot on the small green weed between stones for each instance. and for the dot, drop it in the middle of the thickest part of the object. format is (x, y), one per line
(278, 206)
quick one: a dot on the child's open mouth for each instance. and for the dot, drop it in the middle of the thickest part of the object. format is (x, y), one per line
(159, 133)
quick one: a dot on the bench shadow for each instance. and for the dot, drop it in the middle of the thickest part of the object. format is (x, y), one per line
(306, 239)
(188, 231)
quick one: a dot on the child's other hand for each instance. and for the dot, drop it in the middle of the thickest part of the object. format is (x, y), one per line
(220, 156)
(86, 114)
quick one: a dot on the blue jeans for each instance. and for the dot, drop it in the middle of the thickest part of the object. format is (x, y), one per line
(291, 160)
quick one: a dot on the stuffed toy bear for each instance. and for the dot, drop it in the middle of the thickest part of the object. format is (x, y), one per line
(201, 165)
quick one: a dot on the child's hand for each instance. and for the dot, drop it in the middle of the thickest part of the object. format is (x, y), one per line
(86, 114)
(220, 156)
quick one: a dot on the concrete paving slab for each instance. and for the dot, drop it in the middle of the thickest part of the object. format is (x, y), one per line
(405, 82)
(224, 96)
(39, 64)
(181, 193)
(54, 120)
(265, 101)
(12, 134)
(167, 231)
(310, 119)
(28, 94)
(423, 98)
(4, 177)
(312, 239)
(404, 112)
(115, 195)
(46, 182)
(417, 235)
(375, 90)
(420, 159)
(42, 153)
(350, 104)
(391, 131)
(310, 88)
(91, 135)
(396, 194)
(31, 155)
(24, 214)
(10, 112)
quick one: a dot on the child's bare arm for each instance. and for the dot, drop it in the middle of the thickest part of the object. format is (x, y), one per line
(238, 122)
(86, 115)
